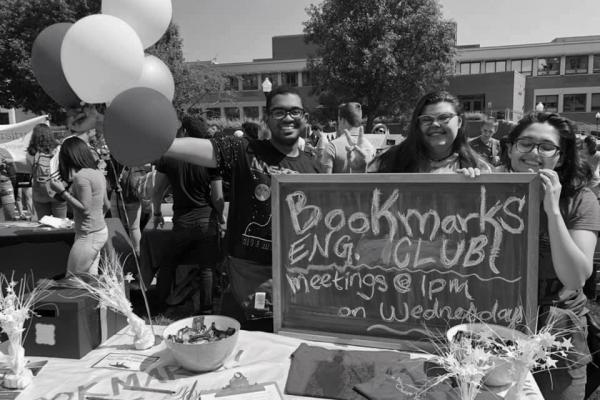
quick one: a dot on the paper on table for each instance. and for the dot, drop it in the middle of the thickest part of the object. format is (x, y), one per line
(267, 391)
(54, 222)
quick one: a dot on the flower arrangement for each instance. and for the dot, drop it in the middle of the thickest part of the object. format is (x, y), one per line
(16, 305)
(109, 289)
(476, 352)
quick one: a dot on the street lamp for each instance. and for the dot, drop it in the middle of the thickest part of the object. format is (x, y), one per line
(267, 86)
(539, 107)
(597, 120)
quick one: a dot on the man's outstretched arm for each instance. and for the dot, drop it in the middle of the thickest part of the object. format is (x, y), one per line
(193, 150)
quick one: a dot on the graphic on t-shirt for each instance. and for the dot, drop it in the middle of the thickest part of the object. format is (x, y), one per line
(257, 233)
(262, 192)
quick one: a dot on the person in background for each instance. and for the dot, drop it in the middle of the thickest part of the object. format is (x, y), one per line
(314, 135)
(251, 130)
(86, 194)
(592, 156)
(8, 187)
(197, 212)
(485, 144)
(380, 129)
(43, 147)
(124, 201)
(544, 143)
(436, 141)
(249, 165)
(339, 154)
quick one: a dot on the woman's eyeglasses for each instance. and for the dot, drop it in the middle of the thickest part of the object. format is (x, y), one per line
(280, 113)
(544, 149)
(441, 119)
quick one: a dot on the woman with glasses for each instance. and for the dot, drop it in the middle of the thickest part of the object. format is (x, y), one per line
(436, 141)
(545, 143)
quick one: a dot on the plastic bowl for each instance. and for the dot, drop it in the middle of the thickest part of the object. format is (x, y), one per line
(501, 374)
(207, 356)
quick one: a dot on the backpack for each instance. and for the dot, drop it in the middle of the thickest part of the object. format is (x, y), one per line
(134, 184)
(41, 173)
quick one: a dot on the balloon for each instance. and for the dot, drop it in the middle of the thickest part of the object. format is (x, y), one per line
(101, 56)
(46, 66)
(149, 18)
(139, 126)
(156, 75)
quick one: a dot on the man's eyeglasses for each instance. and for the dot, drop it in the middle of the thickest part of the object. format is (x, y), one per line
(544, 149)
(441, 119)
(280, 113)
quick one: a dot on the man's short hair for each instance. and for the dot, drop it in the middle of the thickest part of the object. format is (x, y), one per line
(351, 112)
(280, 90)
(195, 127)
(490, 121)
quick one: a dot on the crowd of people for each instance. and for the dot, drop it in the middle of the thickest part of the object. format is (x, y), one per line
(205, 170)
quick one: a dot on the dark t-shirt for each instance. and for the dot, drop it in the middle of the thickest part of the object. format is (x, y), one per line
(249, 166)
(580, 212)
(191, 190)
(487, 151)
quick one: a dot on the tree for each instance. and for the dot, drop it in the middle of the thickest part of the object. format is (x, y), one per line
(384, 53)
(20, 23)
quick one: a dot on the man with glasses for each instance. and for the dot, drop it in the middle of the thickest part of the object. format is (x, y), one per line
(248, 165)
(349, 151)
(485, 145)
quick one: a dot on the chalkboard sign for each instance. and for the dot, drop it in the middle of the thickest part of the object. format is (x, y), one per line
(389, 259)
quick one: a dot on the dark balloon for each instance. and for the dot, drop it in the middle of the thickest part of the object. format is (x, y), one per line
(139, 126)
(47, 68)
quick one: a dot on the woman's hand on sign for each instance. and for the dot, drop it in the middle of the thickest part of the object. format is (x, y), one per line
(552, 188)
(469, 172)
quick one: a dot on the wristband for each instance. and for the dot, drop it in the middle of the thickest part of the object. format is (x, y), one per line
(62, 193)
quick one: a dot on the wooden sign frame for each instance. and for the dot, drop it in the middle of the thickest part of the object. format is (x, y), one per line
(281, 183)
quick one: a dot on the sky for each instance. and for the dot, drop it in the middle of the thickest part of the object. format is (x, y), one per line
(241, 30)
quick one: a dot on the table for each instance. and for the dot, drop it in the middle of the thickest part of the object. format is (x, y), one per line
(264, 357)
(28, 247)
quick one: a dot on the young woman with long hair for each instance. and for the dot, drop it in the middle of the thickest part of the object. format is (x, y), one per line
(86, 193)
(545, 143)
(436, 141)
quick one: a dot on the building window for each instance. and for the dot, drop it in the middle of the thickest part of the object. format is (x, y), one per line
(596, 63)
(4, 120)
(213, 113)
(232, 83)
(307, 78)
(232, 113)
(472, 103)
(289, 79)
(470, 68)
(251, 112)
(501, 66)
(523, 66)
(495, 66)
(595, 101)
(576, 65)
(250, 82)
(548, 66)
(574, 103)
(550, 102)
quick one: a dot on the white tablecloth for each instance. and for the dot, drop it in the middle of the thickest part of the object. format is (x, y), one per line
(264, 357)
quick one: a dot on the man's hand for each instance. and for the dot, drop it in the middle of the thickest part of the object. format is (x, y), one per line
(360, 152)
(56, 185)
(158, 220)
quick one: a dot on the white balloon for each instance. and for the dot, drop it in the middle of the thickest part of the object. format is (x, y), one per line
(101, 56)
(149, 18)
(156, 75)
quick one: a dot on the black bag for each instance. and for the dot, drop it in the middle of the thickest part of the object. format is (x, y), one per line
(593, 340)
